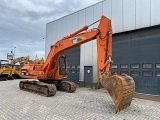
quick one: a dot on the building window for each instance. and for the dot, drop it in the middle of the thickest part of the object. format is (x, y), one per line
(73, 66)
(135, 73)
(136, 65)
(158, 73)
(124, 66)
(114, 66)
(123, 72)
(157, 65)
(147, 73)
(78, 66)
(73, 71)
(147, 65)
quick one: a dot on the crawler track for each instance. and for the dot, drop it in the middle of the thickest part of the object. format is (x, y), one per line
(46, 89)
(67, 86)
(38, 87)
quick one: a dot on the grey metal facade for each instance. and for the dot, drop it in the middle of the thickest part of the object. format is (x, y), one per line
(136, 53)
(126, 15)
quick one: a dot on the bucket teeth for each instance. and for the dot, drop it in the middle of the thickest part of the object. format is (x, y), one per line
(120, 88)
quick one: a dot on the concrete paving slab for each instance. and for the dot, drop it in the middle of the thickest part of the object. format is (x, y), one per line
(84, 104)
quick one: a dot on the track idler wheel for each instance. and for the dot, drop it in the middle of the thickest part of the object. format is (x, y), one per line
(120, 87)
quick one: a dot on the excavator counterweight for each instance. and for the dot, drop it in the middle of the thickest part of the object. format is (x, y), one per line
(54, 70)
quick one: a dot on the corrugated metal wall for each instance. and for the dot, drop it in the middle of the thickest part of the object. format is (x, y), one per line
(136, 53)
(126, 15)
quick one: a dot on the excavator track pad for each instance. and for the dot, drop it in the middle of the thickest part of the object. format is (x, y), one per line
(46, 89)
(38, 87)
(67, 86)
(120, 87)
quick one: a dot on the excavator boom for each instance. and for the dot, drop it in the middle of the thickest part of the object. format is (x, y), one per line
(120, 87)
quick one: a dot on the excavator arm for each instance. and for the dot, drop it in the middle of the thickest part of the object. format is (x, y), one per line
(60, 47)
(103, 36)
(120, 88)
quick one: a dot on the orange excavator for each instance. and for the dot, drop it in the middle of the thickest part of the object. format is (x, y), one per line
(31, 70)
(54, 71)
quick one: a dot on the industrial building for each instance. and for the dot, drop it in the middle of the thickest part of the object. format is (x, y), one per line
(136, 42)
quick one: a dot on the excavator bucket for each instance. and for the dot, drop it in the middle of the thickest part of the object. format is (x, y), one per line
(120, 87)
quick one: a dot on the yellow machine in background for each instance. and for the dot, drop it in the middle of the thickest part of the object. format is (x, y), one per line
(38, 61)
(21, 61)
(16, 64)
(12, 70)
(5, 70)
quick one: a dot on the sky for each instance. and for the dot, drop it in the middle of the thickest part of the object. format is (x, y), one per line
(23, 24)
